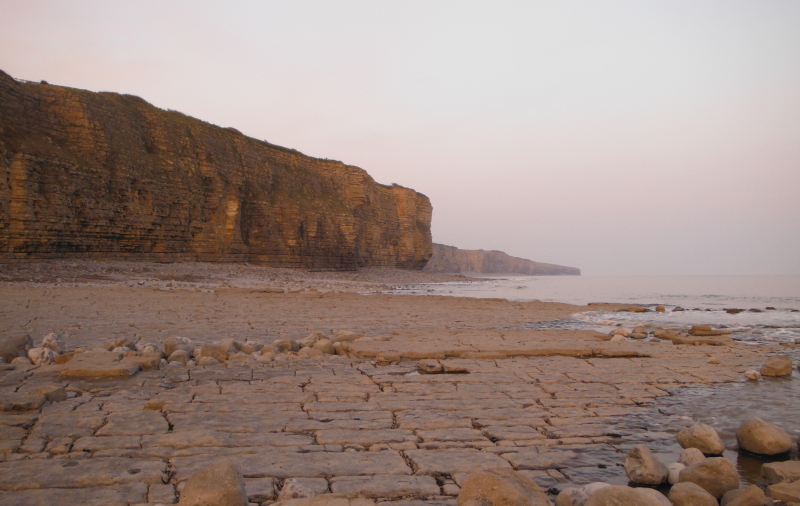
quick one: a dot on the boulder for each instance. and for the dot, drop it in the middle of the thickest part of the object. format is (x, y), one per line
(691, 456)
(219, 484)
(208, 361)
(593, 487)
(231, 345)
(179, 356)
(715, 474)
(286, 345)
(54, 341)
(751, 496)
(21, 361)
(120, 342)
(674, 472)
(640, 330)
(777, 366)
(786, 491)
(618, 495)
(653, 496)
(171, 344)
(638, 335)
(618, 339)
(572, 497)
(309, 353)
(41, 356)
(619, 331)
(691, 494)
(703, 437)
(759, 436)
(215, 351)
(310, 340)
(15, 345)
(660, 308)
(642, 467)
(502, 486)
(776, 472)
(325, 346)
(638, 309)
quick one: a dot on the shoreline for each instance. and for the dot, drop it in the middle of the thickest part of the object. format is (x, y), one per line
(546, 402)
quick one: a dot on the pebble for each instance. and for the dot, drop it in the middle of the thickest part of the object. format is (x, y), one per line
(752, 374)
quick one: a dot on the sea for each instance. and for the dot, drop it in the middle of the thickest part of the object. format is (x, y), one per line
(758, 310)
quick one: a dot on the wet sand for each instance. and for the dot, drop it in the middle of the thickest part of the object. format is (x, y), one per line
(554, 404)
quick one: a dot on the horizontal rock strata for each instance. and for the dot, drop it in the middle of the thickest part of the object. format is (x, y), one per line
(454, 260)
(105, 175)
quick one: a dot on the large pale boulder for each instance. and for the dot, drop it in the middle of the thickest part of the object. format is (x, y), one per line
(715, 474)
(675, 472)
(777, 366)
(644, 468)
(759, 436)
(618, 495)
(15, 345)
(572, 497)
(703, 437)
(691, 494)
(41, 356)
(502, 487)
(219, 484)
(310, 340)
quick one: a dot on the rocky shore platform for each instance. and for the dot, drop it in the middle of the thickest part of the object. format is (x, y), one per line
(418, 393)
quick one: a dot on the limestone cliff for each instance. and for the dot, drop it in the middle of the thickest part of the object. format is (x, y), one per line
(105, 175)
(451, 259)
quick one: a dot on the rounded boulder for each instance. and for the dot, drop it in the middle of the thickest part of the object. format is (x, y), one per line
(644, 468)
(691, 494)
(759, 436)
(501, 486)
(715, 474)
(703, 437)
(618, 495)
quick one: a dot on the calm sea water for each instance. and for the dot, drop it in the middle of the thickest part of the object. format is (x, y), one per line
(705, 299)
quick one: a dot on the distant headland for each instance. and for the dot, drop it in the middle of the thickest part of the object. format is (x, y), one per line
(453, 260)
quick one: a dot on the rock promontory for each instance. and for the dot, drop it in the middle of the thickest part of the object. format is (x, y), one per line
(454, 260)
(106, 175)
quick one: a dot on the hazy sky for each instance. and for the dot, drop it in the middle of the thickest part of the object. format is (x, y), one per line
(621, 137)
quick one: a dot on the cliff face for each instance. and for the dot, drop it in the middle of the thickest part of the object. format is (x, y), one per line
(105, 175)
(452, 260)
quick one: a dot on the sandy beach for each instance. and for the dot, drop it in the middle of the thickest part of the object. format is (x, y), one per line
(421, 390)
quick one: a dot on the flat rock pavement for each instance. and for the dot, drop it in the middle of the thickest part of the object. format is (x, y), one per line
(345, 425)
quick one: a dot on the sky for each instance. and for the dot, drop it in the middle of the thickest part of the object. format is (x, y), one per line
(621, 137)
